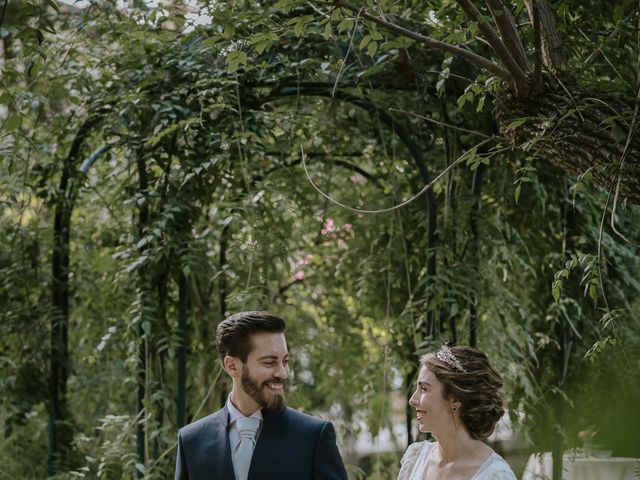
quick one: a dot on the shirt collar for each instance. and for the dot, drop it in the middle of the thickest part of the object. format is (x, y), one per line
(235, 414)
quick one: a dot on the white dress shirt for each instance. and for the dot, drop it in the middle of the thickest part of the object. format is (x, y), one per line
(234, 414)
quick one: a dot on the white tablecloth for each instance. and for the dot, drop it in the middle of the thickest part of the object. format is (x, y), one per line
(540, 467)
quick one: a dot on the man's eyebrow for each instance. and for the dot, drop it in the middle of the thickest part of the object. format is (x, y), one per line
(271, 357)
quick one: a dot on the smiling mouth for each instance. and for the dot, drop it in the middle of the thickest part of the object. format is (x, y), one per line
(275, 387)
(419, 415)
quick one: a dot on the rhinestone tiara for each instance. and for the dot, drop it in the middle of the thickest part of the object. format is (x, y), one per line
(445, 355)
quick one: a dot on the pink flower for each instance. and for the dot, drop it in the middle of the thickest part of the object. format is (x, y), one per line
(328, 226)
(299, 275)
(347, 227)
(358, 179)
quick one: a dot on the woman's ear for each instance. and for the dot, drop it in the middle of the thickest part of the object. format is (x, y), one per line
(455, 405)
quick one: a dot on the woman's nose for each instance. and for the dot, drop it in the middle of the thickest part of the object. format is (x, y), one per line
(413, 401)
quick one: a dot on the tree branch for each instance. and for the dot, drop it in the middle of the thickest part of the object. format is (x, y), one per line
(506, 24)
(471, 57)
(552, 55)
(537, 76)
(612, 36)
(519, 76)
(4, 9)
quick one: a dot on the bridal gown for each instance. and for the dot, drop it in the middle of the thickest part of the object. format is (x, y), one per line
(415, 459)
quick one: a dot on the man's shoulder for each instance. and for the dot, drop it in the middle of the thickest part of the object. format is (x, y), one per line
(303, 419)
(202, 425)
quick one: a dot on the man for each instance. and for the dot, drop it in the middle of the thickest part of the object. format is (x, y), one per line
(255, 436)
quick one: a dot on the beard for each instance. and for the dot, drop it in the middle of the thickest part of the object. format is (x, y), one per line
(262, 394)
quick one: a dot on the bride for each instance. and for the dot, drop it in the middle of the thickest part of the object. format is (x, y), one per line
(457, 400)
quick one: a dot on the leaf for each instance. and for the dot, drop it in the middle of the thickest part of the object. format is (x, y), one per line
(516, 123)
(516, 193)
(372, 49)
(58, 91)
(285, 5)
(328, 32)
(235, 59)
(617, 133)
(13, 123)
(376, 35)
(345, 25)
(161, 133)
(6, 98)
(298, 28)
(618, 12)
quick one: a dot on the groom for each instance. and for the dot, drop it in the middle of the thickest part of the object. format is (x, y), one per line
(255, 436)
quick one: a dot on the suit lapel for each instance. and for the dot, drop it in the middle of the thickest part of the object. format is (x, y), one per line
(222, 456)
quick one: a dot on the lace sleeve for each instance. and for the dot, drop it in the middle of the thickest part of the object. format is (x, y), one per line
(503, 475)
(409, 460)
(499, 470)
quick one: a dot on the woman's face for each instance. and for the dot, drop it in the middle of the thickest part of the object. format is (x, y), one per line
(433, 411)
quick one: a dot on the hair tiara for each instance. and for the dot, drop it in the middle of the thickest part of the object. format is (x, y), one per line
(446, 356)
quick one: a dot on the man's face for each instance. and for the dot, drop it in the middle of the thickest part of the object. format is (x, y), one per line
(264, 374)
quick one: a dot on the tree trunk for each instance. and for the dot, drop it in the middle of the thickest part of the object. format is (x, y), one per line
(576, 132)
(143, 220)
(60, 431)
(182, 351)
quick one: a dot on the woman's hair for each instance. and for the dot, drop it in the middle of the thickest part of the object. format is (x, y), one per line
(468, 377)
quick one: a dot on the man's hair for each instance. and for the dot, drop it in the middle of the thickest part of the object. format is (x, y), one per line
(233, 335)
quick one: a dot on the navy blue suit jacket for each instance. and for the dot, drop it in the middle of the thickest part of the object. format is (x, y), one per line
(291, 446)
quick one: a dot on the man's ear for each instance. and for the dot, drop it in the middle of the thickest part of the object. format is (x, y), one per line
(231, 365)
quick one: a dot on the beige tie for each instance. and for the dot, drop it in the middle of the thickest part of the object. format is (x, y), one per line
(247, 428)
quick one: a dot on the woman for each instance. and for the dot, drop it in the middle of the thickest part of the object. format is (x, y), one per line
(457, 400)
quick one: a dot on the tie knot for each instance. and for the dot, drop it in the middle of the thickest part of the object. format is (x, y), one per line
(247, 427)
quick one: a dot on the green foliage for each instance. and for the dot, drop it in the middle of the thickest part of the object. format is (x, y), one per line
(216, 120)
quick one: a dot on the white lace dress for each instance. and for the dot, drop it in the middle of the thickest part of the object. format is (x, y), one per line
(415, 459)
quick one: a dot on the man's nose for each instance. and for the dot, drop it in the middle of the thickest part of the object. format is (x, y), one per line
(281, 372)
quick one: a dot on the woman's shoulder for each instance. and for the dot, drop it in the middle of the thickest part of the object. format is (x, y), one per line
(411, 456)
(413, 452)
(415, 448)
(496, 468)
